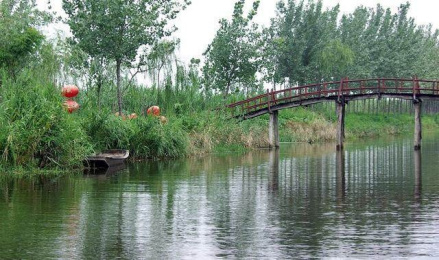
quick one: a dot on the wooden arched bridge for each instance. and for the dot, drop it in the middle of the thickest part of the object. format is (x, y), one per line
(341, 92)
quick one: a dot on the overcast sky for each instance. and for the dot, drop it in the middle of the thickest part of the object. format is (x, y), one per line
(199, 22)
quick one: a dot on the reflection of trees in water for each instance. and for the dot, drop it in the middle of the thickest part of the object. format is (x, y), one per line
(39, 216)
(372, 188)
(275, 204)
(6, 190)
(292, 197)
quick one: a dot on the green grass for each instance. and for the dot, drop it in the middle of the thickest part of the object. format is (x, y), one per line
(37, 136)
(307, 125)
(362, 125)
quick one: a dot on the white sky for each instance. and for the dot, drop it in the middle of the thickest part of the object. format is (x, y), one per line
(199, 22)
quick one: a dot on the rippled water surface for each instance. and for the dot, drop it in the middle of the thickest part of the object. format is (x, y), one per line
(376, 199)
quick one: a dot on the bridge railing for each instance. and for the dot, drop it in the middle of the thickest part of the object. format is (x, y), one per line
(336, 90)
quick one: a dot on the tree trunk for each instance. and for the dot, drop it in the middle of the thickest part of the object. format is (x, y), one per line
(119, 93)
(158, 85)
(227, 90)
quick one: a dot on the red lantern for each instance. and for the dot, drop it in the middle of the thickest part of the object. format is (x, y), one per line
(71, 105)
(154, 111)
(70, 91)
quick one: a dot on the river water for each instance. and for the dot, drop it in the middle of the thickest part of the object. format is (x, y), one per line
(376, 199)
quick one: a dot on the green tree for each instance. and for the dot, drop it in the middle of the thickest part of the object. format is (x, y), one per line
(335, 58)
(357, 33)
(296, 37)
(233, 56)
(298, 34)
(427, 65)
(116, 29)
(271, 48)
(161, 57)
(308, 44)
(19, 37)
(386, 44)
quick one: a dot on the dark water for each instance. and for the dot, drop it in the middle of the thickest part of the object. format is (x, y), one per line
(377, 199)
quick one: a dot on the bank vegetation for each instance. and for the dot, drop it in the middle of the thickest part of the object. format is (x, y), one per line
(304, 44)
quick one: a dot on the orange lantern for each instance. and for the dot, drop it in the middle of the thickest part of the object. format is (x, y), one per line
(70, 91)
(154, 111)
(132, 116)
(121, 115)
(71, 105)
(163, 120)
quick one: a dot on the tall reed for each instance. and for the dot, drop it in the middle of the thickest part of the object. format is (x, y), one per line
(35, 129)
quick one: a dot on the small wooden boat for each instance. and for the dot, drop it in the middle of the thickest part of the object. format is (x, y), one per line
(106, 159)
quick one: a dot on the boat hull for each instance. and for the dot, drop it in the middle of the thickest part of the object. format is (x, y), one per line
(106, 159)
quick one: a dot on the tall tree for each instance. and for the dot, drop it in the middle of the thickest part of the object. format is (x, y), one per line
(308, 44)
(388, 45)
(298, 35)
(161, 57)
(232, 57)
(116, 29)
(19, 37)
(335, 58)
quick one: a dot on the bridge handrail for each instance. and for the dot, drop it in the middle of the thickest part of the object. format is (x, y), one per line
(343, 87)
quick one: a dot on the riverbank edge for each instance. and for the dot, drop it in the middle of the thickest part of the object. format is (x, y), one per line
(220, 137)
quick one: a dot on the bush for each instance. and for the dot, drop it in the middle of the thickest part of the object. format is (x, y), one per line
(152, 139)
(106, 130)
(35, 128)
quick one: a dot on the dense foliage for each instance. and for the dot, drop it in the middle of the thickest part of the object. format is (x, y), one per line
(304, 43)
(307, 44)
(232, 58)
(19, 37)
(116, 30)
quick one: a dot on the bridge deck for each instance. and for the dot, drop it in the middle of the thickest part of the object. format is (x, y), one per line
(345, 89)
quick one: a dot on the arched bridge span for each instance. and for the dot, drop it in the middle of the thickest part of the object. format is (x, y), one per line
(341, 92)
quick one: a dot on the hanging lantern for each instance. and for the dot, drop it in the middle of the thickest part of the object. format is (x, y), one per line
(153, 111)
(70, 91)
(71, 105)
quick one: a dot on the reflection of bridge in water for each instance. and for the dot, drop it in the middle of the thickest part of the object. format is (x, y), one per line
(341, 92)
(378, 166)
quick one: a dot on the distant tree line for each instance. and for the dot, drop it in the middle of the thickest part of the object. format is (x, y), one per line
(122, 55)
(114, 42)
(306, 44)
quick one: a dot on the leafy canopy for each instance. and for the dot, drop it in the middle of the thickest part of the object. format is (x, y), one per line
(19, 37)
(233, 55)
(117, 29)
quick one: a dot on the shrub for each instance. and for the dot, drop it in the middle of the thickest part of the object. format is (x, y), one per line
(35, 128)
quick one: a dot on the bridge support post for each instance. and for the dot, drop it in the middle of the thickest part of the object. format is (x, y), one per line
(341, 111)
(273, 131)
(417, 104)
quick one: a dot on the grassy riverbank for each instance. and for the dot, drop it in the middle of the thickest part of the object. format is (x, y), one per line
(37, 133)
(306, 125)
